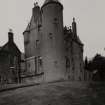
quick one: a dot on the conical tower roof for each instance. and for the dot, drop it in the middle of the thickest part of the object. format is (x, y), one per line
(48, 1)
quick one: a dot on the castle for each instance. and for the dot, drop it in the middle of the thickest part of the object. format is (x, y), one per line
(52, 52)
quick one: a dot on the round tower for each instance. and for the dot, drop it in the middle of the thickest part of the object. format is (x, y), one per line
(52, 50)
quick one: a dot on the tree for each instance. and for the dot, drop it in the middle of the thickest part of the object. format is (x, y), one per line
(97, 64)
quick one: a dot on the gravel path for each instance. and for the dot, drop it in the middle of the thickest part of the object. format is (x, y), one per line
(60, 93)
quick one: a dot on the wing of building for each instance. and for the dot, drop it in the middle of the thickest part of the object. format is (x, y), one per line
(52, 52)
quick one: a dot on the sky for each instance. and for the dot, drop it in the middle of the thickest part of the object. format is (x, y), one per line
(89, 15)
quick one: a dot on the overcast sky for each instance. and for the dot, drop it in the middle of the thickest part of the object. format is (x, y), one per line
(89, 14)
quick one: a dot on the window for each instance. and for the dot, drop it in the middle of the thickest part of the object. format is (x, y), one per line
(40, 60)
(56, 63)
(37, 43)
(38, 65)
(67, 62)
(39, 27)
(55, 21)
(50, 36)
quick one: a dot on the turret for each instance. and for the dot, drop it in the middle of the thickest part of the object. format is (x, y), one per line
(53, 40)
(31, 34)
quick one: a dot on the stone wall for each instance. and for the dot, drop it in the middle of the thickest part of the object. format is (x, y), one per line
(52, 50)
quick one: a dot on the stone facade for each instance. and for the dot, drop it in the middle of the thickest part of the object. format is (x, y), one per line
(51, 49)
(74, 55)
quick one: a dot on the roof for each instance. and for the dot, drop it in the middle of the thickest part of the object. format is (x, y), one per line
(69, 35)
(79, 41)
(10, 48)
(51, 1)
(47, 1)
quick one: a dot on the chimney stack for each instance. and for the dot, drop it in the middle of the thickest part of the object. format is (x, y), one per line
(74, 27)
(10, 36)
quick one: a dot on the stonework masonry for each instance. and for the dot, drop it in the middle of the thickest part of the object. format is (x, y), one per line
(52, 50)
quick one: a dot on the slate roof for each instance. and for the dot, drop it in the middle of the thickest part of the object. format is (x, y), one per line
(11, 48)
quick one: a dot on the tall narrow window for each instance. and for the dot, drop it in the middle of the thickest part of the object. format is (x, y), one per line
(36, 65)
(36, 43)
(39, 27)
(40, 60)
(39, 71)
(67, 62)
